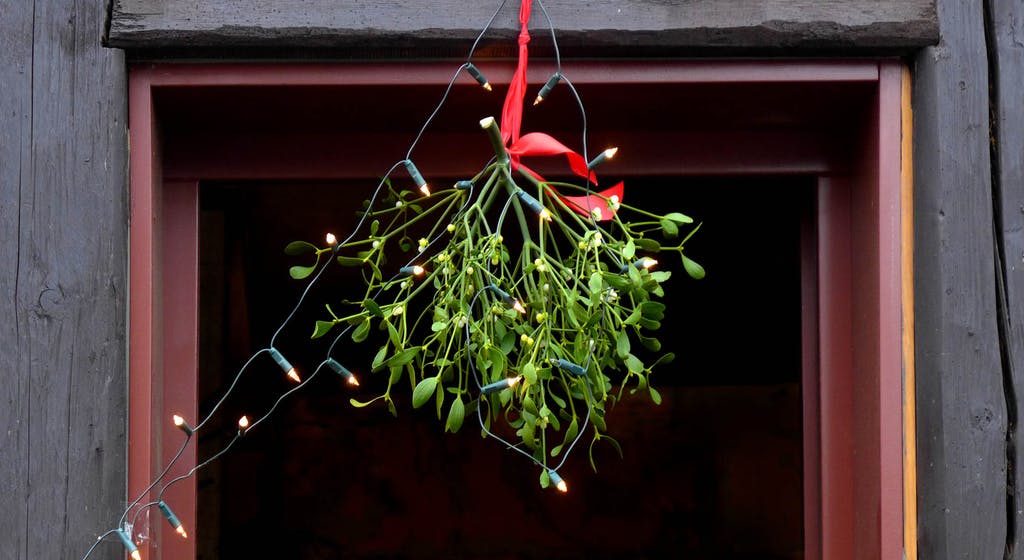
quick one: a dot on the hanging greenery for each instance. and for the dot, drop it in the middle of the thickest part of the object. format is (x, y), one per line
(519, 305)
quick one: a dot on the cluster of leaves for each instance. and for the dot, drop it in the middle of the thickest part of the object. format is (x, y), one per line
(588, 301)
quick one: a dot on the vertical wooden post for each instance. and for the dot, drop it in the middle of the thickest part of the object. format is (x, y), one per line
(961, 405)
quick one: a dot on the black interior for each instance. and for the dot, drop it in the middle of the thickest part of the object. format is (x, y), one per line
(713, 472)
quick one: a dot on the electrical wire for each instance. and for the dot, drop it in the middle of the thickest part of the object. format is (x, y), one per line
(316, 277)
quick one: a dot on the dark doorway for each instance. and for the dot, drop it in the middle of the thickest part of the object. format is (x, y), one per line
(715, 471)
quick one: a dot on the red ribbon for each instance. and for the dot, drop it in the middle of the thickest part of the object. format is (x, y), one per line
(512, 111)
(540, 144)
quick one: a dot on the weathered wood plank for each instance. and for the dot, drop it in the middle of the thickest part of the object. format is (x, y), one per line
(583, 27)
(64, 206)
(961, 408)
(1005, 26)
(15, 171)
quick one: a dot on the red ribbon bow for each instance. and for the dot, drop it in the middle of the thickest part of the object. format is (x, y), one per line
(540, 144)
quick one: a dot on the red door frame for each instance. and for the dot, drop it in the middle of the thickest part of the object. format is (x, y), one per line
(854, 489)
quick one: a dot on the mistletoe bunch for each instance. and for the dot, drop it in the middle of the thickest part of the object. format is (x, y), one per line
(516, 304)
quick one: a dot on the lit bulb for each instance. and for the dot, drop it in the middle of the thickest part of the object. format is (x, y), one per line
(331, 239)
(182, 424)
(126, 540)
(414, 270)
(343, 371)
(605, 155)
(478, 76)
(417, 178)
(558, 482)
(507, 298)
(243, 423)
(533, 204)
(285, 365)
(500, 385)
(172, 519)
(548, 86)
(645, 263)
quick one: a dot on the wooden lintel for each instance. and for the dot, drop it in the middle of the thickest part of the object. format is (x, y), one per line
(597, 27)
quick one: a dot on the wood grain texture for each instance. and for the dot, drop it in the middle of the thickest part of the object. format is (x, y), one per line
(15, 168)
(583, 27)
(1005, 27)
(63, 181)
(961, 409)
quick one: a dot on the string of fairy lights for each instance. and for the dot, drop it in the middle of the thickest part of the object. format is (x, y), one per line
(156, 490)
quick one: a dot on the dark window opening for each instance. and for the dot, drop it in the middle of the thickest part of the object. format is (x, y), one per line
(713, 472)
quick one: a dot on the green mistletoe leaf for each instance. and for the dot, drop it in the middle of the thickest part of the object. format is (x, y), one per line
(695, 270)
(300, 272)
(322, 327)
(423, 391)
(296, 248)
(679, 218)
(456, 414)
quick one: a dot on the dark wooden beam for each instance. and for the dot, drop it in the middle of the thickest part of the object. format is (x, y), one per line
(961, 405)
(1004, 24)
(584, 28)
(63, 208)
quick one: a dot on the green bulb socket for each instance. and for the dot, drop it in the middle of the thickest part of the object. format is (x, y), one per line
(285, 365)
(569, 367)
(478, 76)
(417, 178)
(548, 86)
(338, 368)
(494, 387)
(126, 540)
(530, 202)
(171, 518)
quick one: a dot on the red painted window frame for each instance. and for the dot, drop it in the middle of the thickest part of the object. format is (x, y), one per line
(853, 460)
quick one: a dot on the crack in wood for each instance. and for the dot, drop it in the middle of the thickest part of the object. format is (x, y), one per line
(1002, 296)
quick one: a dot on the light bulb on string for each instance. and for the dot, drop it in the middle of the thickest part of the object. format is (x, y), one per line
(331, 239)
(172, 519)
(558, 481)
(243, 425)
(285, 365)
(464, 185)
(343, 371)
(548, 86)
(414, 270)
(126, 540)
(602, 157)
(417, 178)
(645, 263)
(507, 299)
(500, 385)
(533, 204)
(478, 76)
(182, 424)
(569, 367)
